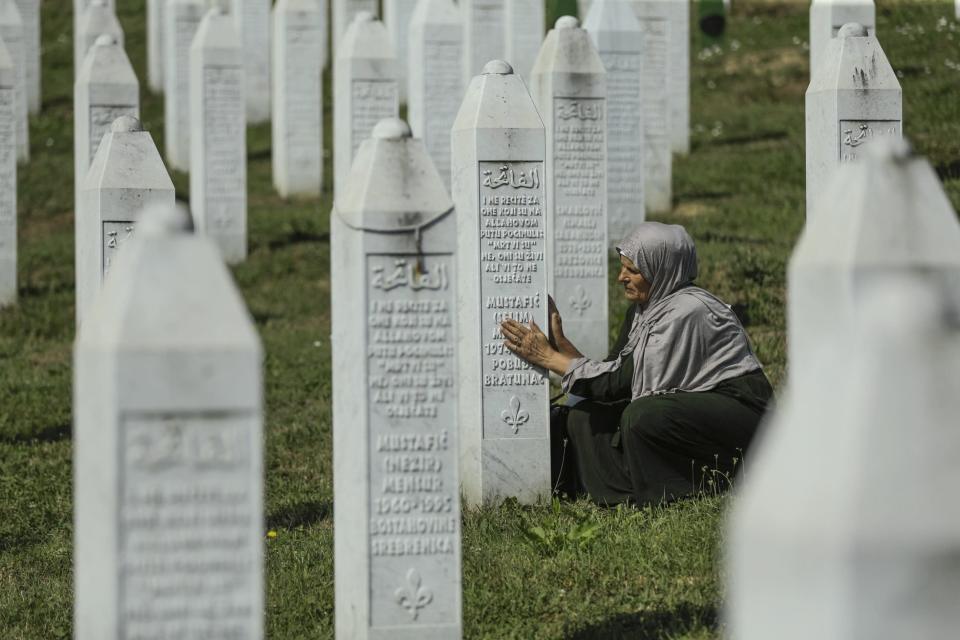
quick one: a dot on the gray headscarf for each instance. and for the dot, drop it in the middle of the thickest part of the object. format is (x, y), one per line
(684, 338)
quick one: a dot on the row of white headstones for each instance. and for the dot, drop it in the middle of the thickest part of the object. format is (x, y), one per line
(168, 363)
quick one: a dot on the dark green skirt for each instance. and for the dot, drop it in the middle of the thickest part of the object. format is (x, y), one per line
(659, 448)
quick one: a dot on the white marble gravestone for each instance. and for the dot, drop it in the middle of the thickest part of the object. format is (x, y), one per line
(657, 28)
(8, 179)
(525, 23)
(396, 16)
(616, 34)
(106, 88)
(342, 13)
(297, 148)
(499, 189)
(484, 34)
(168, 447)
(842, 549)
(396, 486)
(182, 19)
(435, 77)
(826, 18)
(365, 89)
(252, 22)
(98, 19)
(854, 99)
(126, 177)
(30, 16)
(155, 42)
(569, 87)
(218, 141)
(12, 35)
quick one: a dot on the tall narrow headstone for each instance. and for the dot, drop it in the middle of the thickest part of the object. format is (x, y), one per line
(342, 13)
(168, 448)
(569, 87)
(485, 33)
(616, 34)
(126, 177)
(252, 22)
(218, 141)
(826, 18)
(499, 190)
(854, 99)
(396, 486)
(365, 90)
(106, 88)
(679, 65)
(182, 19)
(155, 43)
(845, 550)
(297, 97)
(656, 26)
(8, 179)
(12, 35)
(525, 23)
(435, 77)
(30, 15)
(396, 15)
(98, 19)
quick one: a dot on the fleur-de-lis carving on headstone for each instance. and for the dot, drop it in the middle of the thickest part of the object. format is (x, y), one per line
(580, 302)
(413, 596)
(514, 415)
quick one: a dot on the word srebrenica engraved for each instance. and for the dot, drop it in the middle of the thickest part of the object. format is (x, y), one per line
(412, 463)
(512, 285)
(854, 134)
(579, 225)
(189, 522)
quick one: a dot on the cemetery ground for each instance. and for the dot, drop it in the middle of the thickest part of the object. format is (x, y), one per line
(561, 570)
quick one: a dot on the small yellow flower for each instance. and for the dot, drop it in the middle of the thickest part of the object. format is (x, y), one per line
(271, 534)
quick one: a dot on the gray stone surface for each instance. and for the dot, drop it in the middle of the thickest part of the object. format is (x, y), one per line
(106, 88)
(342, 13)
(396, 16)
(435, 74)
(393, 275)
(841, 550)
(499, 151)
(657, 26)
(182, 19)
(12, 35)
(168, 453)
(8, 180)
(155, 42)
(126, 177)
(569, 87)
(616, 33)
(525, 24)
(99, 18)
(365, 89)
(218, 141)
(297, 143)
(826, 18)
(854, 99)
(485, 32)
(30, 15)
(252, 22)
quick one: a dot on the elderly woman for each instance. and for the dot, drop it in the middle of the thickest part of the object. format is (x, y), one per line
(678, 400)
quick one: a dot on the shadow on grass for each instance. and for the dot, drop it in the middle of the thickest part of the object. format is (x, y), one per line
(298, 236)
(949, 170)
(53, 433)
(301, 514)
(651, 625)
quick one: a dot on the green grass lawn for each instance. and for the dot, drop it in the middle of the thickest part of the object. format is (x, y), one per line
(555, 571)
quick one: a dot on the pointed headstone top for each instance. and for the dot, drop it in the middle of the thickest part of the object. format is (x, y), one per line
(567, 22)
(854, 60)
(392, 129)
(126, 124)
(497, 67)
(366, 37)
(852, 30)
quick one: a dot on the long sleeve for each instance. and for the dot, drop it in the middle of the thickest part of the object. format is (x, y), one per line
(607, 380)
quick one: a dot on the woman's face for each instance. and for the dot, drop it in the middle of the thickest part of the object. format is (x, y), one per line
(635, 286)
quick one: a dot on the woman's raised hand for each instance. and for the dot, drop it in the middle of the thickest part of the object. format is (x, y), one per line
(530, 344)
(558, 340)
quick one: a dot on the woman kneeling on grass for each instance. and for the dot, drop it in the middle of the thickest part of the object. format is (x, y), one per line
(679, 398)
